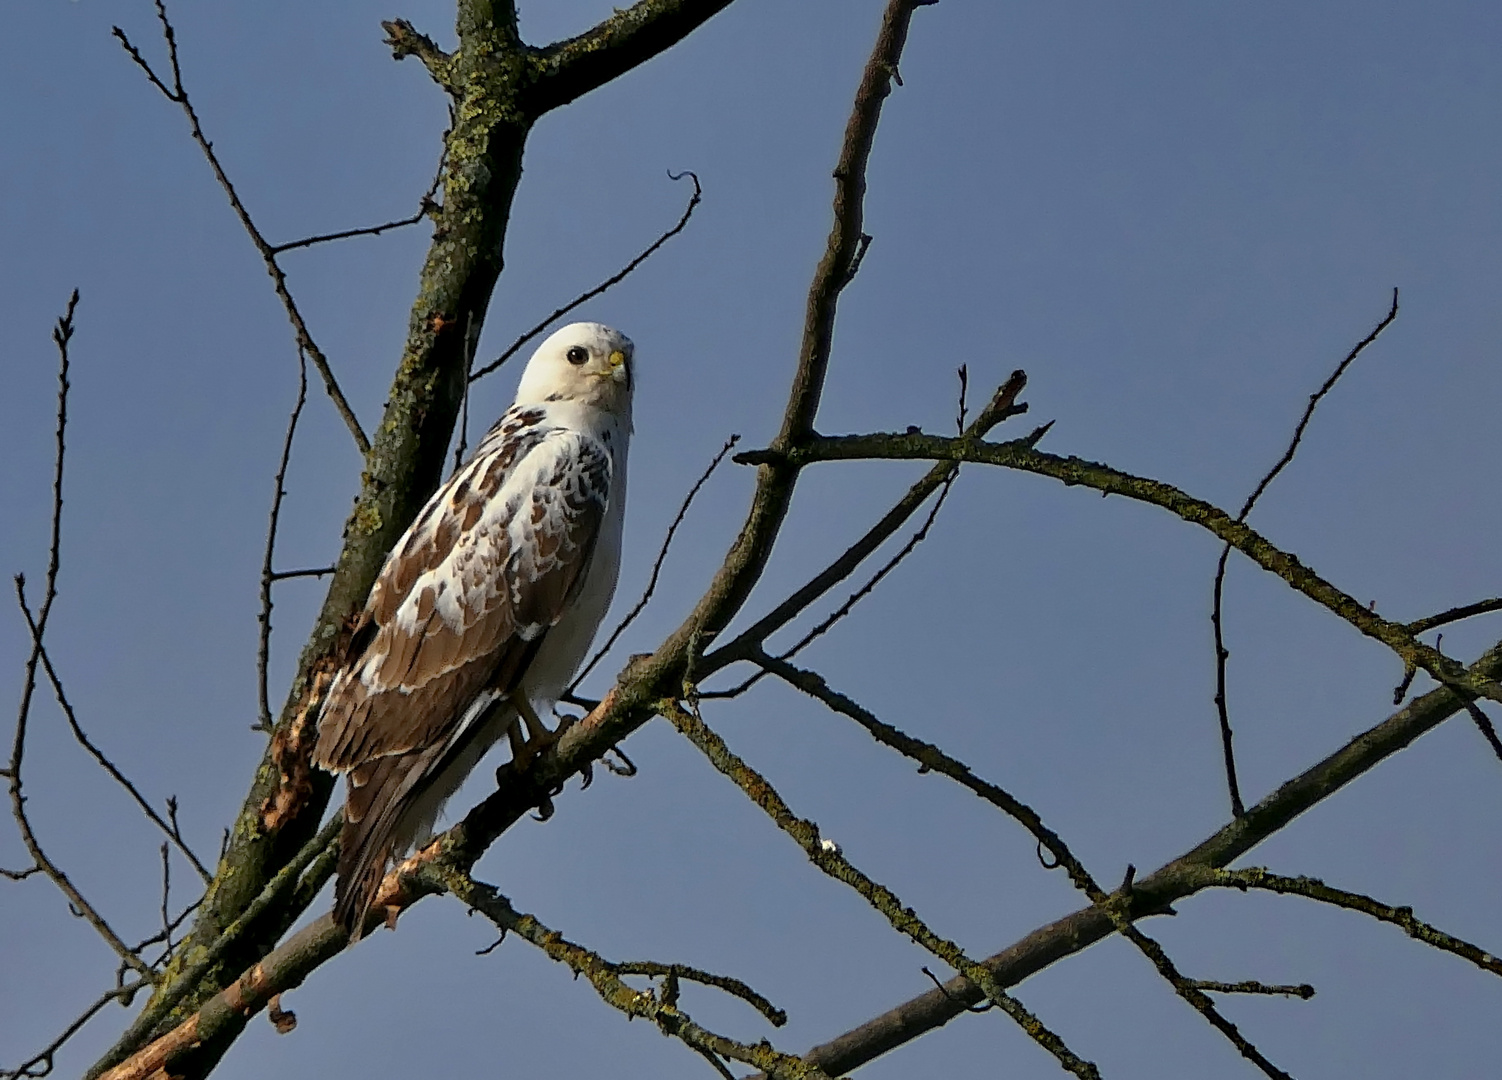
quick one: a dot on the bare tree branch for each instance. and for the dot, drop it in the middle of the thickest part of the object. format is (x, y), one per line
(1257, 877)
(630, 37)
(1002, 405)
(123, 1055)
(932, 758)
(179, 96)
(169, 829)
(1484, 725)
(62, 334)
(1218, 593)
(1194, 994)
(1076, 471)
(41, 1063)
(1302, 990)
(426, 207)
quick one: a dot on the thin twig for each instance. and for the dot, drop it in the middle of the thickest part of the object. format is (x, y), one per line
(80, 906)
(604, 976)
(610, 282)
(469, 361)
(62, 334)
(166, 896)
(734, 987)
(1003, 404)
(425, 207)
(187, 979)
(169, 828)
(1455, 614)
(314, 572)
(41, 1063)
(268, 555)
(891, 564)
(179, 96)
(1190, 992)
(931, 758)
(1257, 877)
(662, 554)
(1250, 986)
(1218, 593)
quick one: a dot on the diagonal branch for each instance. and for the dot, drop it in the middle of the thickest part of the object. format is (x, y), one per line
(1194, 994)
(1197, 869)
(179, 96)
(828, 858)
(40, 1064)
(930, 757)
(1002, 405)
(609, 283)
(169, 829)
(1218, 592)
(426, 207)
(1455, 614)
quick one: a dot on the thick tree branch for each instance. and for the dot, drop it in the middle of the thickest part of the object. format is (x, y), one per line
(483, 166)
(630, 37)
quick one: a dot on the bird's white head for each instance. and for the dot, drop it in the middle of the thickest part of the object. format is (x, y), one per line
(584, 362)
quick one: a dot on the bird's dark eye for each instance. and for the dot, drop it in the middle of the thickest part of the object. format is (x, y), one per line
(577, 355)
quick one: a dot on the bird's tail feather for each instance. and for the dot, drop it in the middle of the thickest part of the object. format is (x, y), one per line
(374, 827)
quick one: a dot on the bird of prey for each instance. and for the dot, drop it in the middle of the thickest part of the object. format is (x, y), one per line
(485, 607)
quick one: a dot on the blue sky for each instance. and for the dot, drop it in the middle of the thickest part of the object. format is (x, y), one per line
(1176, 217)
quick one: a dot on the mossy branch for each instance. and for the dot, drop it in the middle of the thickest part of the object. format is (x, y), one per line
(1074, 471)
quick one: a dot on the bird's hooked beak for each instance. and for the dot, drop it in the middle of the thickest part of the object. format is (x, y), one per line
(620, 370)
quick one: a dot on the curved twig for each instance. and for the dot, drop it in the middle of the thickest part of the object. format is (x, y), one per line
(662, 554)
(1218, 592)
(610, 282)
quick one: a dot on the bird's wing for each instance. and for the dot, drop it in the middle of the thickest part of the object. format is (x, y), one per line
(490, 564)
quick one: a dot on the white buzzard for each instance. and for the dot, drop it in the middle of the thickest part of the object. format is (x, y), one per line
(485, 606)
